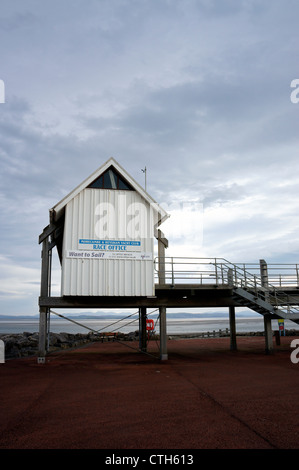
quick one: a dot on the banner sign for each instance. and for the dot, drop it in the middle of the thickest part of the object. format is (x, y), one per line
(130, 255)
(109, 245)
(281, 324)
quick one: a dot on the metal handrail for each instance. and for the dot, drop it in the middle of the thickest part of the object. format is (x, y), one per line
(288, 275)
(222, 271)
(186, 268)
(268, 293)
(280, 274)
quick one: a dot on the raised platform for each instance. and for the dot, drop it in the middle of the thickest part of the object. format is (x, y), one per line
(166, 295)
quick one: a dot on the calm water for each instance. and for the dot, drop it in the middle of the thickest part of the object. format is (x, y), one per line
(177, 326)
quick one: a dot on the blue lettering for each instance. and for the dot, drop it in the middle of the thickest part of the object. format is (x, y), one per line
(88, 241)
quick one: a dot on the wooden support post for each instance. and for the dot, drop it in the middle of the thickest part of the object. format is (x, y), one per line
(264, 277)
(232, 326)
(162, 244)
(267, 318)
(42, 349)
(268, 334)
(163, 334)
(230, 277)
(264, 272)
(44, 291)
(142, 329)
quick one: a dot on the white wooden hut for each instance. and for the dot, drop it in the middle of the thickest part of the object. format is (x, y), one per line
(107, 244)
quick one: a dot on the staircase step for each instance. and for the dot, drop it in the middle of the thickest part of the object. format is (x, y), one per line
(252, 294)
(251, 301)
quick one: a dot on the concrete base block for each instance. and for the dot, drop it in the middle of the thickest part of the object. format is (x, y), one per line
(164, 357)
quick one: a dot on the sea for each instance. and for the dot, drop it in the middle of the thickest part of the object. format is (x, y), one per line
(174, 326)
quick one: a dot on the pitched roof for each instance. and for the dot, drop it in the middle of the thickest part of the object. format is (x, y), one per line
(57, 211)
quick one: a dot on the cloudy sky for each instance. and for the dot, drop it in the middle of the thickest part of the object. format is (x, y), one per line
(198, 91)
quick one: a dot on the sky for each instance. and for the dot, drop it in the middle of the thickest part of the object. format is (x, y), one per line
(197, 91)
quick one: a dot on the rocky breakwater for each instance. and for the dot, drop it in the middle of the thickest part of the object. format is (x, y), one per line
(26, 344)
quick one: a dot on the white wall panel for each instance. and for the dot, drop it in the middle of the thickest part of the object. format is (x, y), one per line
(111, 215)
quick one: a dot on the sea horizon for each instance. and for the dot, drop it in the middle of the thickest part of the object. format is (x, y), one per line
(176, 323)
(152, 314)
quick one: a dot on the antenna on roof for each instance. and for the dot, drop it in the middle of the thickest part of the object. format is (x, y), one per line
(144, 171)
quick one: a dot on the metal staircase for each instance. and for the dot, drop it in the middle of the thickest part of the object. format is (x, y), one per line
(256, 293)
(248, 289)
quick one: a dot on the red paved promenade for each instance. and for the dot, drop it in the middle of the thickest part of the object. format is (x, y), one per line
(107, 396)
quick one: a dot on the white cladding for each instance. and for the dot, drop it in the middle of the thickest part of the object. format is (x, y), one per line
(102, 227)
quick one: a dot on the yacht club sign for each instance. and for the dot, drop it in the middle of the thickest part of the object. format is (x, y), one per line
(109, 245)
(109, 249)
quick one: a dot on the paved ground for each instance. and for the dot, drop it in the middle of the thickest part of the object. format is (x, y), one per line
(107, 396)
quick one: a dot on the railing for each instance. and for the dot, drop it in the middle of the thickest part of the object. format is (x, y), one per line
(238, 276)
(214, 270)
(219, 271)
(280, 275)
(182, 269)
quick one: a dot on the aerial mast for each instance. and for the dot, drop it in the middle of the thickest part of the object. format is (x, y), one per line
(144, 171)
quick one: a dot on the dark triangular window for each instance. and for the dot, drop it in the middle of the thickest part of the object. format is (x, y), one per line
(111, 179)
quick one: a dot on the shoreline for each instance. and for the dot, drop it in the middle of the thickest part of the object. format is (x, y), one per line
(25, 344)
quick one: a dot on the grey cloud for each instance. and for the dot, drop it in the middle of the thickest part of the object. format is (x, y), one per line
(198, 91)
(17, 21)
